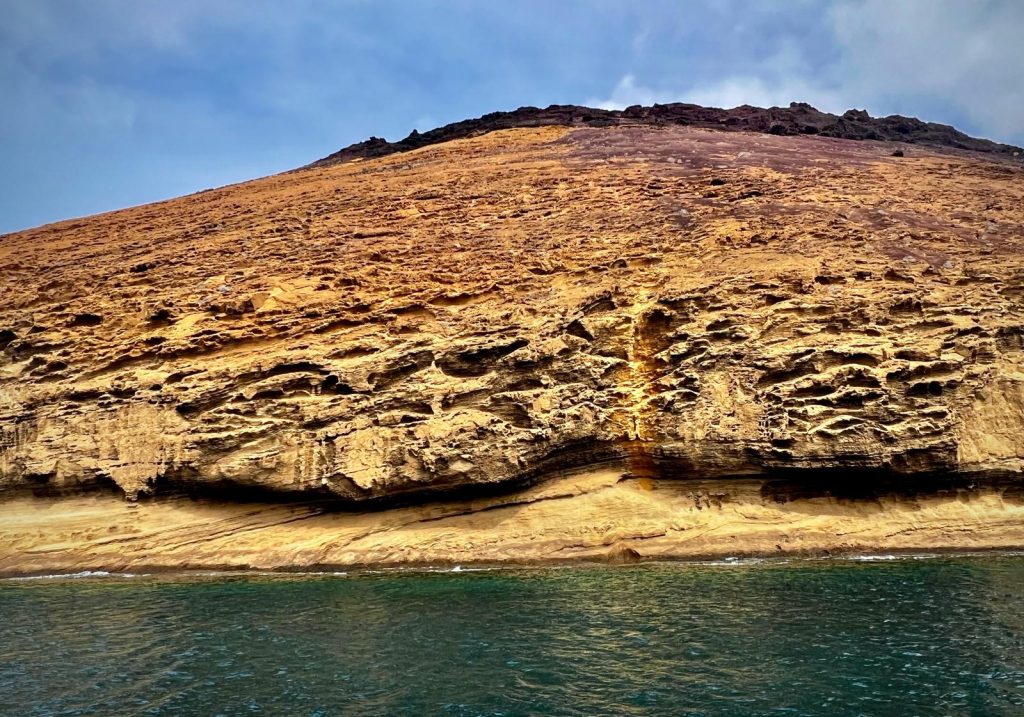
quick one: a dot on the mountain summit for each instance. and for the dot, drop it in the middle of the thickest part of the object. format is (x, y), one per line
(799, 118)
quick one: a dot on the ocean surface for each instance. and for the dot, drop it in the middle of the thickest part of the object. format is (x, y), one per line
(907, 636)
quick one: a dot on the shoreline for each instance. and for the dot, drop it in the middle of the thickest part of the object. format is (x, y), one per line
(159, 572)
(594, 517)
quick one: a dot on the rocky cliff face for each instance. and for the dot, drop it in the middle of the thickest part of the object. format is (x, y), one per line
(482, 314)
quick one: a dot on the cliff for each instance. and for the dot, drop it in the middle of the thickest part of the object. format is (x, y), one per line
(730, 318)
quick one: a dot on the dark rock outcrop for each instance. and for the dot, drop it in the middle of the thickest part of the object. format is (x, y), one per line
(798, 118)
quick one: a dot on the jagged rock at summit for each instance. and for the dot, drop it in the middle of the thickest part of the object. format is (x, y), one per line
(497, 306)
(798, 118)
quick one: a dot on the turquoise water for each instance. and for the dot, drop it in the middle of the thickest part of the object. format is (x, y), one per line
(939, 636)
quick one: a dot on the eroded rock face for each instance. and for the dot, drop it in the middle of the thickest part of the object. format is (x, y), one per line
(489, 312)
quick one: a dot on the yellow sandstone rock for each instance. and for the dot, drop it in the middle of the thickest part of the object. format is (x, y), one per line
(477, 322)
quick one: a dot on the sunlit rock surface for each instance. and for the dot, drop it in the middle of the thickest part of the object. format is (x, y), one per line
(484, 315)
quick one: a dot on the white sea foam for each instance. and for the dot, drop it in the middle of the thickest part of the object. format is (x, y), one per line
(730, 560)
(76, 576)
(874, 558)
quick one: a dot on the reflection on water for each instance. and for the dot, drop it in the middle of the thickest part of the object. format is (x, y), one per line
(927, 637)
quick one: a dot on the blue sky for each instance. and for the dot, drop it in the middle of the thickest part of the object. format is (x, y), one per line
(111, 103)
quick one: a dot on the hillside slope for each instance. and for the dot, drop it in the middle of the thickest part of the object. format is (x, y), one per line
(711, 323)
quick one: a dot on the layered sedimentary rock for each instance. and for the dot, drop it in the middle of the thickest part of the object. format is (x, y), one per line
(668, 303)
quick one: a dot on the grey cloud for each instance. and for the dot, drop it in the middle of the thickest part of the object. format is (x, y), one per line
(970, 54)
(943, 60)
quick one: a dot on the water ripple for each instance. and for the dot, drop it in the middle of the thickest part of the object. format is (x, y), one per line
(941, 636)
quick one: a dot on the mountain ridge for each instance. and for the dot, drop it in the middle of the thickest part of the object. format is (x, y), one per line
(800, 118)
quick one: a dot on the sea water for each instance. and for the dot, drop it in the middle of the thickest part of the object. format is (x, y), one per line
(907, 636)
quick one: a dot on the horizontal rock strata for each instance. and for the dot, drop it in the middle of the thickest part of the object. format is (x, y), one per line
(484, 315)
(588, 516)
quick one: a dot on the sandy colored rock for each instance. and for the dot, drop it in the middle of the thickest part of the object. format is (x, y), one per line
(664, 304)
(591, 516)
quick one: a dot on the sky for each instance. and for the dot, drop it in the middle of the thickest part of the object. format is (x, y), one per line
(113, 103)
